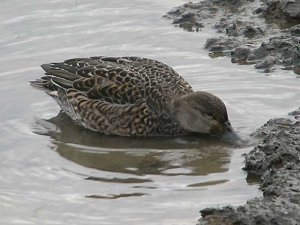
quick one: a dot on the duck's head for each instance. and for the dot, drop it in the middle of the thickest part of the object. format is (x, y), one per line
(202, 112)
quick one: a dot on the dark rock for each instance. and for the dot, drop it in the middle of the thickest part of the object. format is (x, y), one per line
(187, 21)
(291, 9)
(278, 50)
(260, 10)
(267, 62)
(296, 69)
(231, 30)
(240, 55)
(185, 18)
(251, 32)
(221, 44)
(238, 28)
(221, 24)
(295, 30)
(259, 53)
(288, 62)
(283, 9)
(175, 12)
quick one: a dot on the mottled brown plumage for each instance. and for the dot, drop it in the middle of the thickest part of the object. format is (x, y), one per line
(131, 96)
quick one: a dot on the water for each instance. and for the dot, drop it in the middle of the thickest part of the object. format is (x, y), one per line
(53, 172)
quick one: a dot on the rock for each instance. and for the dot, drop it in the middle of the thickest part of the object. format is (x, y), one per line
(291, 9)
(187, 21)
(231, 30)
(174, 12)
(221, 44)
(283, 9)
(237, 28)
(296, 69)
(276, 149)
(240, 55)
(295, 30)
(185, 18)
(260, 10)
(267, 62)
(278, 50)
(251, 32)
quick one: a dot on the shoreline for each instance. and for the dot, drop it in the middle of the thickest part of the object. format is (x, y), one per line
(266, 34)
(276, 159)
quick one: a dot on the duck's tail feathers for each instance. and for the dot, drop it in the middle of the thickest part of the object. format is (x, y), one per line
(57, 76)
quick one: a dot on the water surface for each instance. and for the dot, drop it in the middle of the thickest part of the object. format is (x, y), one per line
(53, 172)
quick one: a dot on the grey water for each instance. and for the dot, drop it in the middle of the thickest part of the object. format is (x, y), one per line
(53, 172)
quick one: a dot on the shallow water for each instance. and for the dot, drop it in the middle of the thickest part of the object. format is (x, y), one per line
(53, 172)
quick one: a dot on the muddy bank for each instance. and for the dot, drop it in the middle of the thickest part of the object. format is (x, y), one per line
(276, 159)
(265, 33)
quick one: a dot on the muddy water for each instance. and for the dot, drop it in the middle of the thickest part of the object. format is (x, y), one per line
(53, 172)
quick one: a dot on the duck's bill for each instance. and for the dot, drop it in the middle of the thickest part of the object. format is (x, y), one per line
(230, 136)
(233, 138)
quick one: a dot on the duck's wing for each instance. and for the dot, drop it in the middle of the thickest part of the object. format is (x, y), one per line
(135, 63)
(106, 80)
(100, 96)
(156, 81)
(142, 72)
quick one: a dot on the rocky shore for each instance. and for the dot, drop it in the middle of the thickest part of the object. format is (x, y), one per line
(265, 33)
(261, 32)
(276, 159)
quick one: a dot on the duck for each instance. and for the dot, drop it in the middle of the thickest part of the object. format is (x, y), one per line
(131, 96)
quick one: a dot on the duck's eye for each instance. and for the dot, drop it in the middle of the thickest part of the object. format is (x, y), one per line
(210, 114)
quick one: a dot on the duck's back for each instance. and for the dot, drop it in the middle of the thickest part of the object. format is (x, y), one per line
(126, 96)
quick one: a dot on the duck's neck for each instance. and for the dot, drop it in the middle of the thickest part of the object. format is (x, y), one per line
(173, 105)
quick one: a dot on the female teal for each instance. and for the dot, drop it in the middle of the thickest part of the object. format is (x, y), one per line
(132, 96)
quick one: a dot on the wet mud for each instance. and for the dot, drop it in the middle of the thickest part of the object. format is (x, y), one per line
(276, 159)
(265, 33)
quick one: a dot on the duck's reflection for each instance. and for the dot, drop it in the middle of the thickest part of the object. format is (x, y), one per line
(193, 155)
